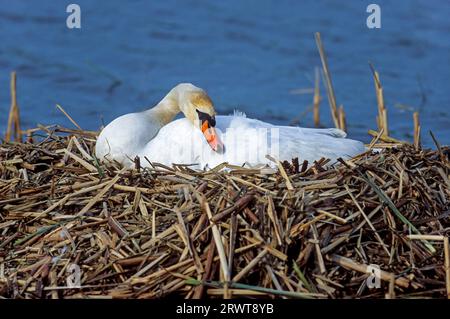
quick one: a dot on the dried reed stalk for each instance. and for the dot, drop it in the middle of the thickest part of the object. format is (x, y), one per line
(14, 116)
(242, 232)
(416, 130)
(328, 82)
(382, 121)
(316, 98)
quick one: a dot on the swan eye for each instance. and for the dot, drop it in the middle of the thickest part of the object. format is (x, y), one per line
(212, 121)
(206, 117)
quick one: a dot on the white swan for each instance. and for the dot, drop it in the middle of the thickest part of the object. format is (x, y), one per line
(151, 136)
(128, 135)
(247, 141)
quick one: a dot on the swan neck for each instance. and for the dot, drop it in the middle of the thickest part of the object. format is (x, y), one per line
(165, 111)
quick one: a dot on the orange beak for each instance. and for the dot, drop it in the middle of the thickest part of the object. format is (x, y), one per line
(212, 138)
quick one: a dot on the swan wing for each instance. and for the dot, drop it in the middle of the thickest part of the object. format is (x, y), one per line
(123, 138)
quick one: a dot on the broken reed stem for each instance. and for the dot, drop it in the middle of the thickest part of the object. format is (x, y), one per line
(384, 137)
(382, 121)
(218, 241)
(447, 265)
(342, 120)
(391, 293)
(426, 237)
(416, 130)
(17, 130)
(375, 139)
(319, 256)
(14, 116)
(362, 268)
(68, 116)
(316, 98)
(249, 266)
(10, 122)
(328, 82)
(446, 249)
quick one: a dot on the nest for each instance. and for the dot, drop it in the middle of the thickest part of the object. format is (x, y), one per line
(372, 227)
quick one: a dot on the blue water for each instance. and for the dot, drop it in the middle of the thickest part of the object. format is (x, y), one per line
(248, 55)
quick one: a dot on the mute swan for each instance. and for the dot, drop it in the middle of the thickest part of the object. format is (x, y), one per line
(126, 136)
(247, 141)
(197, 139)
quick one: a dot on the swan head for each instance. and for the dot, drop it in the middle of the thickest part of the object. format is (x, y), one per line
(198, 108)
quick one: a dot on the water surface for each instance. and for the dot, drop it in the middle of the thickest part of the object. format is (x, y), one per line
(248, 55)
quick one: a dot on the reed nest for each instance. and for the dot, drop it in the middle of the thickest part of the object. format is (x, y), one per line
(302, 231)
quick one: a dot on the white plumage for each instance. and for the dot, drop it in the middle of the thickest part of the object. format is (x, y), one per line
(153, 135)
(247, 141)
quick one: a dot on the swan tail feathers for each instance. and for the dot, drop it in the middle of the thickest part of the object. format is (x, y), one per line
(335, 132)
(238, 113)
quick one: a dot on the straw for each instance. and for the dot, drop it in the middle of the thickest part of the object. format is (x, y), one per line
(328, 82)
(316, 98)
(14, 117)
(382, 112)
(303, 230)
(416, 130)
(141, 233)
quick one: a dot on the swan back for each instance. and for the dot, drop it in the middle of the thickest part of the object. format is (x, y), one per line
(247, 141)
